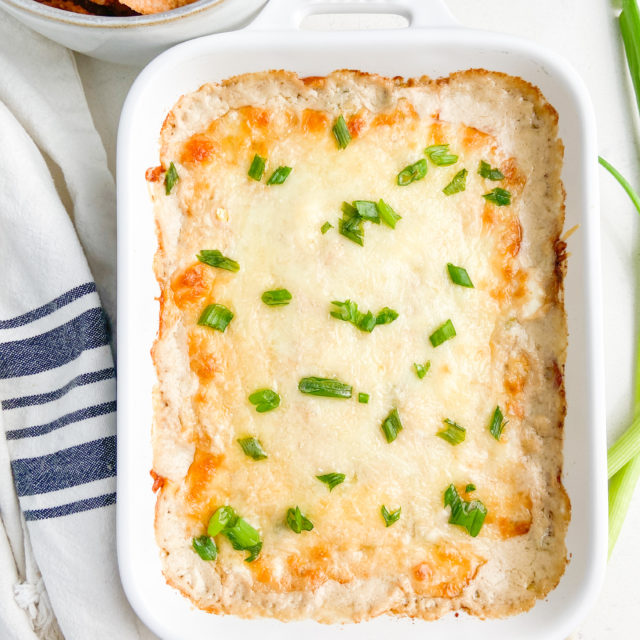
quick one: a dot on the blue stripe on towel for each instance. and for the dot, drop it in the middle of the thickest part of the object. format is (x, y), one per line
(63, 421)
(43, 398)
(70, 467)
(72, 507)
(54, 348)
(50, 307)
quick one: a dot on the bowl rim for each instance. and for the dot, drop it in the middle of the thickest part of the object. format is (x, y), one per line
(70, 18)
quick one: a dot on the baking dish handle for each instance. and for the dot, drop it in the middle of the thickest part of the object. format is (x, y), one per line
(288, 14)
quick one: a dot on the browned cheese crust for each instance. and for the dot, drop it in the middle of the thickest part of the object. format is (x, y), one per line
(509, 350)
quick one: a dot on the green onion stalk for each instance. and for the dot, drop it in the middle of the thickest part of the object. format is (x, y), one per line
(623, 458)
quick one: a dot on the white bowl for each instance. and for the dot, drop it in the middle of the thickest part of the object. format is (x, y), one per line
(132, 40)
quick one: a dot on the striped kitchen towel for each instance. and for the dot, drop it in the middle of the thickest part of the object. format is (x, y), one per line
(57, 374)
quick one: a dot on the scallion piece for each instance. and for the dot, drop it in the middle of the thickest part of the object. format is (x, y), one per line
(264, 400)
(170, 178)
(205, 547)
(412, 173)
(367, 210)
(469, 488)
(252, 447)
(223, 518)
(442, 334)
(243, 537)
(458, 184)
(459, 276)
(386, 316)
(341, 132)
(279, 175)
(390, 517)
(453, 433)
(257, 167)
(391, 426)
(497, 424)
(422, 369)
(363, 398)
(325, 387)
(216, 316)
(214, 258)
(499, 197)
(276, 297)
(440, 156)
(351, 224)
(487, 172)
(348, 312)
(332, 480)
(297, 522)
(469, 515)
(325, 227)
(387, 214)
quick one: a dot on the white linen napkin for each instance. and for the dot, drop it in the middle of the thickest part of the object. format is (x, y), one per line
(57, 376)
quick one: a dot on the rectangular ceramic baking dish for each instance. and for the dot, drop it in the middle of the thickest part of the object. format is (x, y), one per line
(432, 45)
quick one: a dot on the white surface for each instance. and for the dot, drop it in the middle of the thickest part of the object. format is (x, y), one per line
(436, 52)
(584, 32)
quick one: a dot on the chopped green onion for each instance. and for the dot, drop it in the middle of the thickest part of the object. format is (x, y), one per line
(469, 488)
(367, 210)
(223, 518)
(439, 155)
(469, 515)
(486, 171)
(442, 334)
(325, 227)
(253, 448)
(386, 316)
(453, 433)
(459, 276)
(458, 184)
(422, 369)
(500, 197)
(265, 400)
(276, 297)
(387, 214)
(332, 480)
(341, 132)
(497, 424)
(391, 426)
(325, 387)
(390, 517)
(348, 312)
(297, 522)
(170, 178)
(279, 175)
(215, 316)
(205, 547)
(351, 224)
(257, 167)
(363, 398)
(214, 258)
(243, 537)
(411, 173)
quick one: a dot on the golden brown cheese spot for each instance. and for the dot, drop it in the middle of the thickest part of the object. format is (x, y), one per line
(158, 481)
(198, 482)
(475, 140)
(154, 174)
(403, 113)
(446, 571)
(314, 121)
(509, 514)
(202, 360)
(198, 148)
(192, 285)
(437, 134)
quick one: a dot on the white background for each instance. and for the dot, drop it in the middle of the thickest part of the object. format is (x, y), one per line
(586, 33)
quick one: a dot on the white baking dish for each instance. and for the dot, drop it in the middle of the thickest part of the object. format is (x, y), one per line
(435, 46)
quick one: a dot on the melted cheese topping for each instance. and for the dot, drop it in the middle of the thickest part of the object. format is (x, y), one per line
(274, 233)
